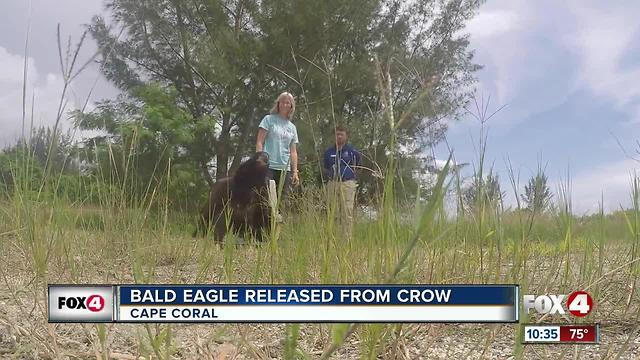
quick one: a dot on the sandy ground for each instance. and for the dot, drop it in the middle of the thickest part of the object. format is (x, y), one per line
(25, 333)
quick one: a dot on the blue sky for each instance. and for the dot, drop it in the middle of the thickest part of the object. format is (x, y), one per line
(568, 73)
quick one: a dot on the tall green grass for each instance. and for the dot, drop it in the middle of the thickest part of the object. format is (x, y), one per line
(551, 252)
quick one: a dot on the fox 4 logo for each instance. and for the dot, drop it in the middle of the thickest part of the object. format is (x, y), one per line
(92, 303)
(579, 303)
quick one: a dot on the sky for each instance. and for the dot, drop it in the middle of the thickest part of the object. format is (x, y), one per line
(44, 75)
(567, 74)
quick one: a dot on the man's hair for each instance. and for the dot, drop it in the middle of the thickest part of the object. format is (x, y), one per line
(341, 129)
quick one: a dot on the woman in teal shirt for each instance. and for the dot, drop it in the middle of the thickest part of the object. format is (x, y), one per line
(278, 136)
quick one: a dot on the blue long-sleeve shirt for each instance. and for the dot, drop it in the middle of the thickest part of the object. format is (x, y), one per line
(340, 163)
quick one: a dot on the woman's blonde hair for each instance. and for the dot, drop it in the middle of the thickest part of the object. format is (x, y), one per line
(276, 105)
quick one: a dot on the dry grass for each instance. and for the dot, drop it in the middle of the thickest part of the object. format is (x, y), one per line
(25, 333)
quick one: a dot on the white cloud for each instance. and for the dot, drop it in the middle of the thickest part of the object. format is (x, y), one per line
(440, 163)
(46, 89)
(603, 37)
(492, 23)
(514, 43)
(609, 181)
(537, 56)
(524, 45)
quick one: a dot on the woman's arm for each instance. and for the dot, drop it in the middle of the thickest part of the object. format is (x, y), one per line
(262, 134)
(294, 164)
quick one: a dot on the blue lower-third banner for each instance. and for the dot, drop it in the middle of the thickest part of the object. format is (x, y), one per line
(283, 303)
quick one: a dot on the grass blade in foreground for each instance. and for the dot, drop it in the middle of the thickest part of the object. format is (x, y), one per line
(340, 332)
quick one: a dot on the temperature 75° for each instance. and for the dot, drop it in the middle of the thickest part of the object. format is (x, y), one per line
(578, 333)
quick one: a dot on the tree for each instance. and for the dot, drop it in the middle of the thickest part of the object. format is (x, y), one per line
(204, 52)
(23, 163)
(417, 48)
(483, 192)
(225, 61)
(537, 194)
(145, 145)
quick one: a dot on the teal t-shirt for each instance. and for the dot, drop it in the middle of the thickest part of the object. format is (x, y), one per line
(281, 133)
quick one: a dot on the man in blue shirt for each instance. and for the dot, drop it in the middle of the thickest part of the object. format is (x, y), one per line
(340, 163)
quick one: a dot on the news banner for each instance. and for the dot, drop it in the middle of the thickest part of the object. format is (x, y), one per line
(319, 303)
